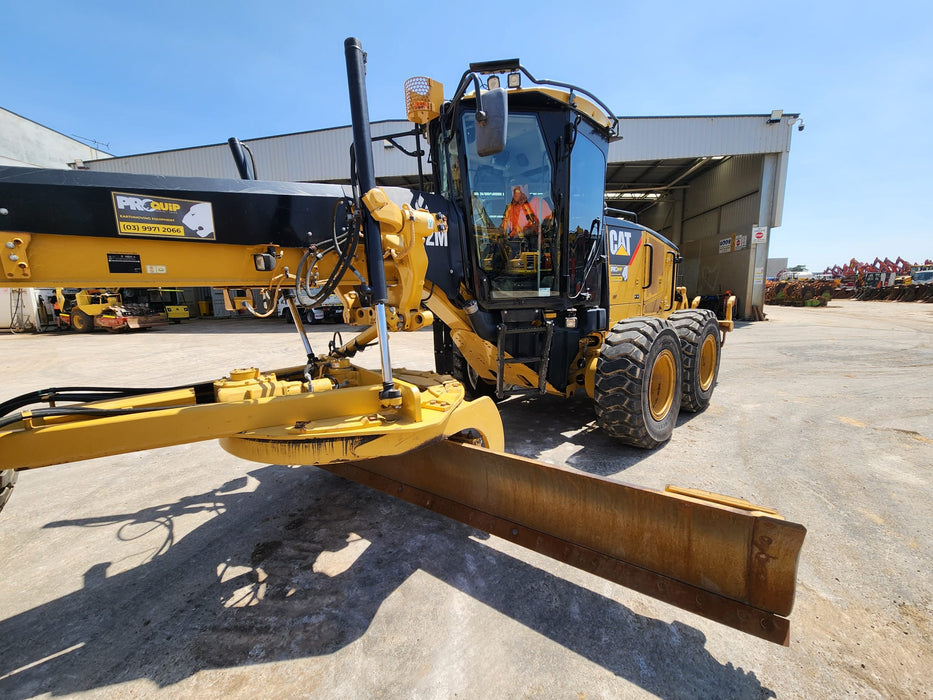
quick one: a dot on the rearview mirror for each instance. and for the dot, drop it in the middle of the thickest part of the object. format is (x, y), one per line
(492, 133)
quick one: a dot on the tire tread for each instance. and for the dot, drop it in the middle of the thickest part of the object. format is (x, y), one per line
(620, 375)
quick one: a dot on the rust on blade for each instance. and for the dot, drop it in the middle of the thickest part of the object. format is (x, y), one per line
(727, 564)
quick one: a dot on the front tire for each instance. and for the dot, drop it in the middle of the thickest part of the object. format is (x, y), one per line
(701, 347)
(81, 322)
(7, 479)
(638, 383)
(474, 385)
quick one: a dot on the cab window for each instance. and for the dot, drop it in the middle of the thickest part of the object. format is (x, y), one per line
(587, 181)
(511, 205)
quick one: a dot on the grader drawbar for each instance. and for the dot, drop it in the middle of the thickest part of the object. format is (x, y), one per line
(411, 434)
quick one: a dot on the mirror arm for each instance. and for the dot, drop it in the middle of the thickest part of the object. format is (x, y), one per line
(477, 90)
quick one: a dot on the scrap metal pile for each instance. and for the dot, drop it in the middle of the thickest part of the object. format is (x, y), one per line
(801, 292)
(881, 280)
(901, 292)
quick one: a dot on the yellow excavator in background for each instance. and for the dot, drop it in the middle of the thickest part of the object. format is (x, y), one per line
(554, 295)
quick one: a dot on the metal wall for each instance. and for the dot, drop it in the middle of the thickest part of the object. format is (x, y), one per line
(712, 222)
(19, 309)
(719, 206)
(656, 138)
(323, 155)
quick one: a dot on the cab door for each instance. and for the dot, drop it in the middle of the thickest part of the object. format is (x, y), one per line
(659, 261)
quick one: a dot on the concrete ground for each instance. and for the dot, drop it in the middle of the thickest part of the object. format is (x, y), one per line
(188, 572)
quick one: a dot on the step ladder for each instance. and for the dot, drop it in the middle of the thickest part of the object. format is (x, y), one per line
(545, 333)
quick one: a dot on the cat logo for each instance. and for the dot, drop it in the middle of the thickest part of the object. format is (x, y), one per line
(619, 242)
(623, 245)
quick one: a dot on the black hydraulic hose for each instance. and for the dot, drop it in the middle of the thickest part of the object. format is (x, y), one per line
(591, 258)
(78, 411)
(70, 393)
(344, 262)
(204, 393)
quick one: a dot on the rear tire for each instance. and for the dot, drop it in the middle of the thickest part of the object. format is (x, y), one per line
(638, 382)
(81, 322)
(7, 479)
(700, 347)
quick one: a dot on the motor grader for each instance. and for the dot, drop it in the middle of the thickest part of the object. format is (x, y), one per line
(579, 299)
(590, 304)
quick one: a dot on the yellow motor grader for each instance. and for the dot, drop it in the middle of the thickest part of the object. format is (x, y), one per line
(554, 295)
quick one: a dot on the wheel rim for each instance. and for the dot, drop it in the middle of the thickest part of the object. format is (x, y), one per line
(661, 386)
(707, 362)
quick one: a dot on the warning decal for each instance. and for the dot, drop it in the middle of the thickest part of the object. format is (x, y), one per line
(151, 215)
(124, 263)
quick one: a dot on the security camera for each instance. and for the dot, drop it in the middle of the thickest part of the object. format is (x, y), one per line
(800, 126)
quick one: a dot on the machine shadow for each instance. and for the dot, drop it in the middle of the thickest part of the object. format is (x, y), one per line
(536, 425)
(298, 567)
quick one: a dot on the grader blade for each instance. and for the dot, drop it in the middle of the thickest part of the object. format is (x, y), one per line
(721, 558)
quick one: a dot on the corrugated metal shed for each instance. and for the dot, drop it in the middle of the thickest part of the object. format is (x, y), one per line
(655, 157)
(661, 138)
(653, 151)
(310, 156)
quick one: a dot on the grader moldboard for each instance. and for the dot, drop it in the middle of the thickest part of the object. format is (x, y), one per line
(575, 299)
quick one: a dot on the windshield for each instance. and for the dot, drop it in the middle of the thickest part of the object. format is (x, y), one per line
(512, 208)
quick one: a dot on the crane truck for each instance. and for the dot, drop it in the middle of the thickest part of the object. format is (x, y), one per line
(573, 298)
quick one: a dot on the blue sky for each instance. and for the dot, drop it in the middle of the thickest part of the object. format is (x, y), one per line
(146, 76)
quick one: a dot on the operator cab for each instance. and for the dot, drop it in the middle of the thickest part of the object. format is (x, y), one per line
(534, 206)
